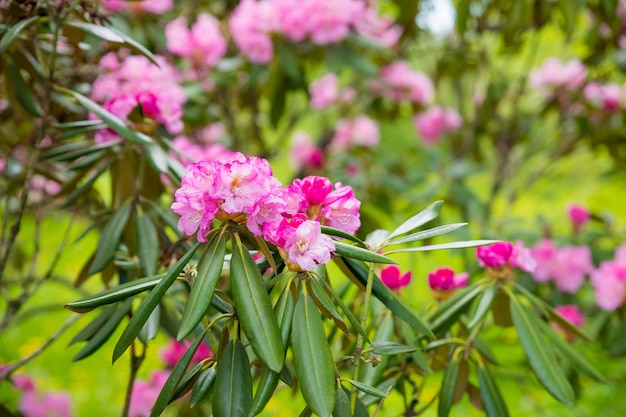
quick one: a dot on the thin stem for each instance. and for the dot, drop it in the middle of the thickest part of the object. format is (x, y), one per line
(358, 350)
(135, 364)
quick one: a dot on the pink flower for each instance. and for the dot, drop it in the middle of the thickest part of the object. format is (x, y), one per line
(203, 44)
(191, 152)
(502, 254)
(378, 29)
(567, 266)
(399, 82)
(361, 131)
(391, 277)
(324, 91)
(304, 153)
(175, 351)
(444, 279)
(571, 313)
(145, 394)
(23, 382)
(544, 253)
(340, 209)
(330, 20)
(50, 404)
(609, 282)
(579, 215)
(609, 97)
(435, 122)
(251, 24)
(556, 74)
(135, 6)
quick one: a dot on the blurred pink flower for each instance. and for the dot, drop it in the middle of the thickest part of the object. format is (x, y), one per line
(610, 97)
(304, 153)
(135, 6)
(435, 122)
(392, 277)
(566, 266)
(555, 74)
(360, 131)
(203, 44)
(378, 29)
(502, 254)
(444, 279)
(578, 215)
(330, 20)
(609, 282)
(50, 404)
(175, 351)
(399, 82)
(251, 24)
(571, 313)
(145, 394)
(324, 91)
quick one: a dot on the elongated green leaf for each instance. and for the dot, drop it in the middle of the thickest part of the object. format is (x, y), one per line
(361, 254)
(107, 117)
(94, 325)
(186, 382)
(209, 270)
(284, 315)
(359, 271)
(312, 358)
(450, 310)
(348, 313)
(577, 360)
(369, 390)
(110, 238)
(427, 234)
(174, 379)
(326, 303)
(81, 131)
(147, 244)
(115, 294)
(484, 304)
(69, 154)
(342, 404)
(203, 387)
(371, 375)
(104, 333)
(232, 395)
(113, 35)
(22, 90)
(254, 309)
(14, 31)
(85, 188)
(451, 245)
(424, 216)
(149, 303)
(331, 231)
(490, 393)
(448, 386)
(265, 389)
(391, 348)
(540, 354)
(151, 328)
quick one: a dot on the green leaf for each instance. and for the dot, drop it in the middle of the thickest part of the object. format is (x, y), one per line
(232, 395)
(203, 387)
(254, 309)
(151, 328)
(15, 30)
(490, 393)
(187, 382)
(391, 348)
(157, 157)
(174, 379)
(450, 310)
(576, 359)
(359, 271)
(369, 390)
(325, 303)
(149, 303)
(348, 313)
(484, 304)
(209, 270)
(361, 254)
(22, 90)
(113, 295)
(448, 386)
(265, 388)
(540, 354)
(104, 333)
(110, 238)
(427, 234)
(312, 359)
(107, 117)
(94, 325)
(147, 244)
(450, 245)
(424, 216)
(113, 35)
(331, 231)
(342, 404)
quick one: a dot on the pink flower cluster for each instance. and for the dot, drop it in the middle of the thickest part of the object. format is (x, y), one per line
(578, 215)
(444, 279)
(609, 281)
(193, 152)
(360, 131)
(139, 6)
(504, 254)
(399, 82)
(203, 44)
(608, 97)
(435, 122)
(393, 278)
(173, 353)
(136, 83)
(566, 266)
(571, 313)
(242, 189)
(145, 393)
(304, 153)
(322, 22)
(555, 74)
(325, 91)
(34, 404)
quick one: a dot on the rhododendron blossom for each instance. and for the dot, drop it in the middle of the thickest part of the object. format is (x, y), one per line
(572, 314)
(189, 152)
(251, 24)
(203, 43)
(609, 281)
(360, 131)
(378, 29)
(444, 279)
(392, 277)
(304, 153)
(435, 122)
(578, 215)
(399, 82)
(504, 254)
(610, 97)
(55, 404)
(304, 243)
(556, 74)
(173, 353)
(324, 91)
(145, 394)
(566, 266)
(138, 6)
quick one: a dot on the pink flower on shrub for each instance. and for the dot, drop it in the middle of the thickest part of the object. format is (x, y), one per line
(50, 404)
(504, 254)
(330, 20)
(304, 153)
(444, 279)
(138, 6)
(173, 353)
(435, 122)
(555, 74)
(566, 266)
(392, 277)
(578, 215)
(192, 152)
(360, 131)
(145, 394)
(399, 82)
(572, 314)
(324, 91)
(610, 97)
(609, 282)
(251, 25)
(378, 29)
(203, 44)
